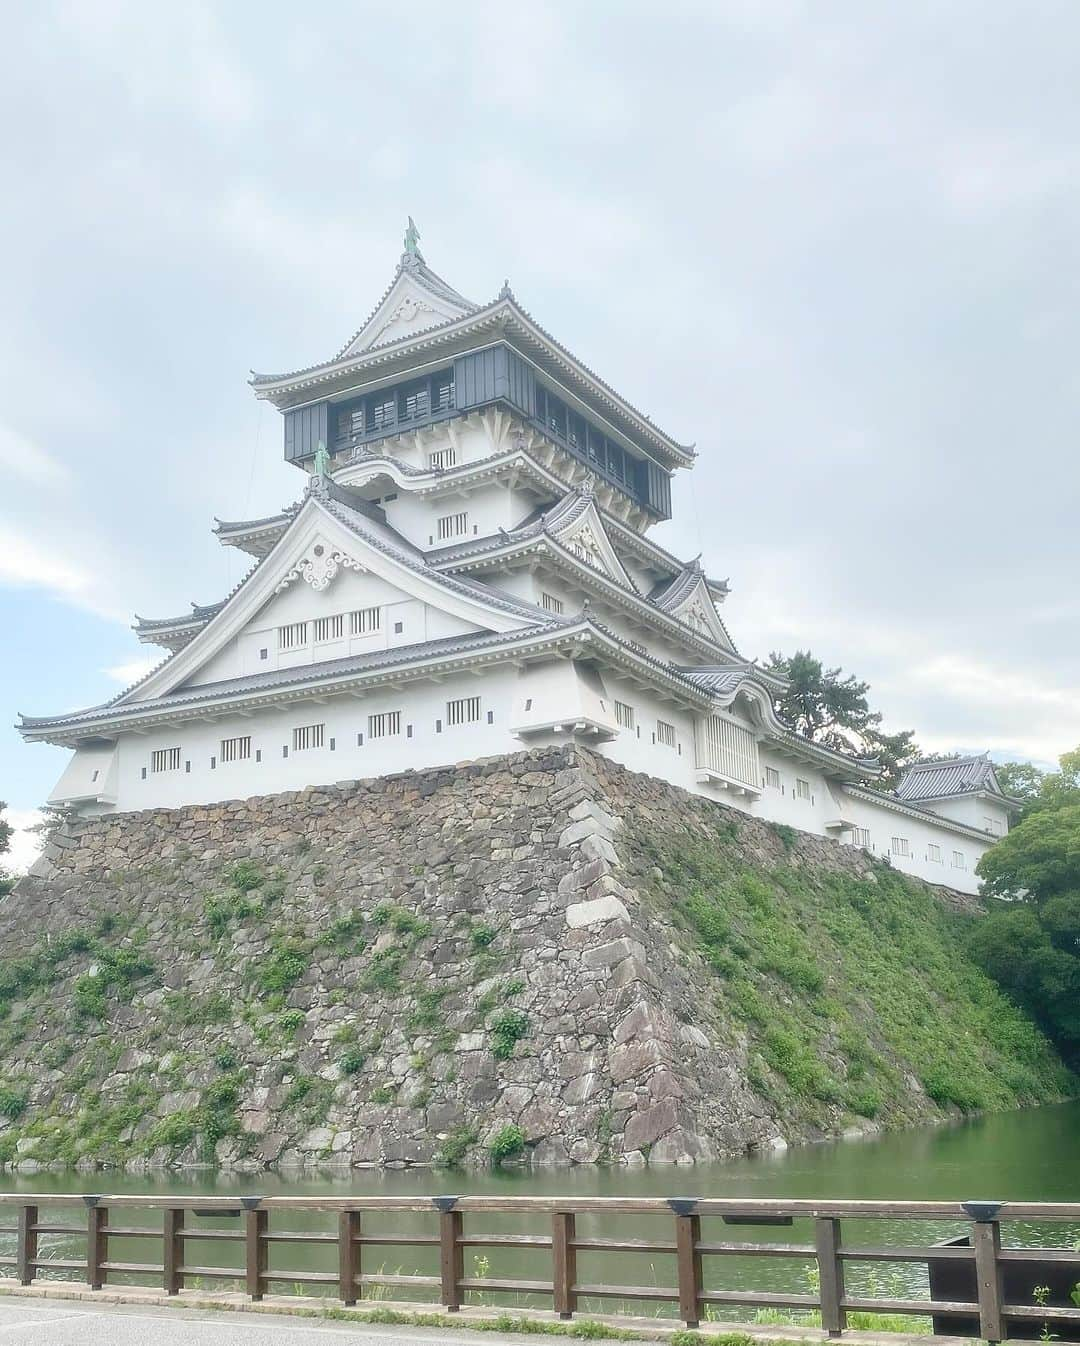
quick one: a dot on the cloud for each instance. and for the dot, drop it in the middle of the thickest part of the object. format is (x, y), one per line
(132, 671)
(19, 457)
(25, 843)
(27, 563)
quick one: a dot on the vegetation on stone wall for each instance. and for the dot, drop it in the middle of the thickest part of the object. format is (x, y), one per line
(850, 994)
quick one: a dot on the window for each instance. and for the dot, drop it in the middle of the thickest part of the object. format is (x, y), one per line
(665, 733)
(236, 749)
(860, 836)
(308, 736)
(900, 846)
(993, 826)
(441, 459)
(933, 853)
(453, 525)
(802, 788)
(292, 637)
(772, 778)
(365, 621)
(466, 710)
(414, 401)
(329, 628)
(958, 860)
(165, 759)
(385, 724)
(551, 603)
(383, 413)
(624, 715)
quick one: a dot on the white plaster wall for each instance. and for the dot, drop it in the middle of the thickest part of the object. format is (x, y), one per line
(975, 811)
(345, 717)
(243, 655)
(885, 823)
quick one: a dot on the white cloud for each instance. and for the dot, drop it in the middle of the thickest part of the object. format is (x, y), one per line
(133, 670)
(27, 563)
(19, 457)
(25, 844)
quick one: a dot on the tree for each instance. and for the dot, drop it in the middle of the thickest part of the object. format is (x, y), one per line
(1030, 941)
(1021, 780)
(6, 833)
(832, 710)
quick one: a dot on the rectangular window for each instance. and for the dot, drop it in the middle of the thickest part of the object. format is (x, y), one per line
(441, 459)
(933, 853)
(860, 836)
(772, 778)
(624, 715)
(993, 826)
(329, 628)
(365, 621)
(308, 736)
(665, 733)
(958, 860)
(728, 748)
(466, 710)
(383, 413)
(236, 749)
(551, 603)
(802, 788)
(385, 724)
(453, 525)
(292, 637)
(165, 759)
(900, 846)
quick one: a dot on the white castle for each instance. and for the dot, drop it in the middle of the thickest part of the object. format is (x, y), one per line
(469, 573)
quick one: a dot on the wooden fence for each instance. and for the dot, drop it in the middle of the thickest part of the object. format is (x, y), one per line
(456, 1225)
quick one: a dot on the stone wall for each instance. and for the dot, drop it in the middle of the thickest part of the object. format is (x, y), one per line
(379, 971)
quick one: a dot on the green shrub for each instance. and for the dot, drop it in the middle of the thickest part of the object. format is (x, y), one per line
(300, 1088)
(482, 936)
(383, 1094)
(175, 1131)
(245, 876)
(455, 1146)
(384, 972)
(506, 1143)
(12, 1102)
(291, 1020)
(351, 1061)
(507, 1030)
(283, 966)
(400, 920)
(225, 1059)
(427, 1011)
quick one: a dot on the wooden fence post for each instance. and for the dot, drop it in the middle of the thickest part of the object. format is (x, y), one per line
(348, 1255)
(564, 1262)
(688, 1259)
(257, 1250)
(986, 1240)
(451, 1253)
(97, 1243)
(830, 1276)
(172, 1242)
(26, 1251)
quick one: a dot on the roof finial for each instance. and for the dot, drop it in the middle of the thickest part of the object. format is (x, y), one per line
(506, 292)
(322, 463)
(412, 238)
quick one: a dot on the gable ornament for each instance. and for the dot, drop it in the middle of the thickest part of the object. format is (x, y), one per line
(320, 568)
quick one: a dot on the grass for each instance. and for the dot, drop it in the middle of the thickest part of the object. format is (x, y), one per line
(844, 985)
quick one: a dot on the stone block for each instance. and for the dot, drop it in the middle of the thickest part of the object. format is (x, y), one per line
(596, 912)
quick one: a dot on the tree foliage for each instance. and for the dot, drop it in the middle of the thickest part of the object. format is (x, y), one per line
(1030, 941)
(834, 711)
(6, 833)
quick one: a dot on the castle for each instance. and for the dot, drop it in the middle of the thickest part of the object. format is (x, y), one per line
(467, 573)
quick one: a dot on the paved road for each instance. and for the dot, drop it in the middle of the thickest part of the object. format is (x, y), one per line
(54, 1322)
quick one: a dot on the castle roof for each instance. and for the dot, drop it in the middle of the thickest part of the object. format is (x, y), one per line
(945, 778)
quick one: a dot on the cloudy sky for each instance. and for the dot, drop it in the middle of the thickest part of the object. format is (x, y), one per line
(834, 243)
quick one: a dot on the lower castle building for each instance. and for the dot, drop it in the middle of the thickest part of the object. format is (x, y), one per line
(469, 572)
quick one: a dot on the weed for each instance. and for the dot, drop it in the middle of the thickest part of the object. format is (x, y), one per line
(506, 1143)
(506, 1031)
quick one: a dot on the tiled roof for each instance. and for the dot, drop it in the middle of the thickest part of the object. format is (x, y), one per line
(200, 613)
(938, 779)
(284, 677)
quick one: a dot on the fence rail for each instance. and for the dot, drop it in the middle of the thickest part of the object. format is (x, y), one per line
(260, 1226)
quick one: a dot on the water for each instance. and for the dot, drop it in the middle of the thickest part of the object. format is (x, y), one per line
(1031, 1155)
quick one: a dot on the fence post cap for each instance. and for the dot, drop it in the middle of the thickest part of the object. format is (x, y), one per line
(250, 1202)
(683, 1205)
(90, 1201)
(982, 1212)
(444, 1203)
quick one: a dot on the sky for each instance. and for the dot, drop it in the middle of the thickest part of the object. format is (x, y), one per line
(833, 243)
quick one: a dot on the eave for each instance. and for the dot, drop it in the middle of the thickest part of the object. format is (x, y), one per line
(503, 319)
(923, 815)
